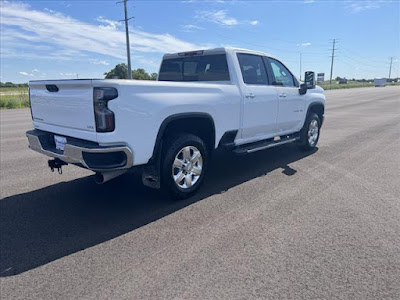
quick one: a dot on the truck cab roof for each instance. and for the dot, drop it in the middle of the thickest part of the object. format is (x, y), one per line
(215, 51)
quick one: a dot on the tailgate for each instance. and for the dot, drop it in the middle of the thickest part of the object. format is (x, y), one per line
(63, 103)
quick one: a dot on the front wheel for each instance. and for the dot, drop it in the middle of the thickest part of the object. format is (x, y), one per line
(309, 135)
(184, 165)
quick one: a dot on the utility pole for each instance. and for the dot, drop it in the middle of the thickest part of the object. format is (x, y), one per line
(390, 69)
(300, 66)
(333, 56)
(128, 48)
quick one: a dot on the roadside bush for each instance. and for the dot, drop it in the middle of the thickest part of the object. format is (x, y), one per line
(11, 101)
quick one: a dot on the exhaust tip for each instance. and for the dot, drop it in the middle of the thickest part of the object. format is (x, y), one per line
(101, 178)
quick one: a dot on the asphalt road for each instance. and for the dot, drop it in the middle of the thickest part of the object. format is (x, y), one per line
(277, 224)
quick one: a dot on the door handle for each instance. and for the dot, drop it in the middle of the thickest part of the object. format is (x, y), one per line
(283, 95)
(251, 96)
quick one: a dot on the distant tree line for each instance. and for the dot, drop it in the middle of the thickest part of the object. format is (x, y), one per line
(120, 71)
(10, 84)
(365, 80)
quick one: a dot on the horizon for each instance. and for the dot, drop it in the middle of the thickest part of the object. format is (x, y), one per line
(67, 39)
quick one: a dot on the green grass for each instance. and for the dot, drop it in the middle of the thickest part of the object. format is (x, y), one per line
(13, 90)
(350, 84)
(393, 83)
(14, 101)
(13, 97)
(18, 97)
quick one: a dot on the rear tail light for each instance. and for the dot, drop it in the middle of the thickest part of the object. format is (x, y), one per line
(104, 117)
(30, 103)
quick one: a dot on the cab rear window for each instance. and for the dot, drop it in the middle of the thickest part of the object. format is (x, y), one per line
(195, 68)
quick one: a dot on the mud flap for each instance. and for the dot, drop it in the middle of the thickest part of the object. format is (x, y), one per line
(151, 177)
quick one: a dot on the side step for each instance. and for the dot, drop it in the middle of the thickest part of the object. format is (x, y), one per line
(270, 143)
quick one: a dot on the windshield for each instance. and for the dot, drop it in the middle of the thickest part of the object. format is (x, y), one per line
(195, 68)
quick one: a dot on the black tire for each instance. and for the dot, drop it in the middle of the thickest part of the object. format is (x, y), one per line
(173, 147)
(304, 143)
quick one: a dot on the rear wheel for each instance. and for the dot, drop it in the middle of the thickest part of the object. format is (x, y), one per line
(184, 165)
(309, 135)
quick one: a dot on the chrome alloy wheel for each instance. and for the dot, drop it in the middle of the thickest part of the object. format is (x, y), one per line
(187, 167)
(313, 132)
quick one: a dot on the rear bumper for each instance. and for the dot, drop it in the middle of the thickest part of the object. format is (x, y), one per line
(83, 153)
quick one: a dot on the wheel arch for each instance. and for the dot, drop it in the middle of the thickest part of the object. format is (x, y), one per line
(318, 108)
(197, 118)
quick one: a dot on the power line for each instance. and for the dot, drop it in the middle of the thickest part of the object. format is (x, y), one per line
(360, 65)
(355, 67)
(390, 68)
(230, 39)
(128, 48)
(333, 56)
(371, 63)
(300, 65)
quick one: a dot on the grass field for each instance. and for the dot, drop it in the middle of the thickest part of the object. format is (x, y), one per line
(17, 97)
(13, 97)
(14, 101)
(349, 85)
(13, 90)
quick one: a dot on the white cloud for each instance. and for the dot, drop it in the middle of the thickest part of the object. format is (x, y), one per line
(191, 27)
(307, 44)
(110, 24)
(50, 10)
(308, 1)
(222, 18)
(65, 4)
(70, 39)
(219, 17)
(25, 73)
(99, 62)
(354, 6)
(68, 74)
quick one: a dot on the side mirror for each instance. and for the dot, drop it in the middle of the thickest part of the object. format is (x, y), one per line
(309, 79)
(303, 89)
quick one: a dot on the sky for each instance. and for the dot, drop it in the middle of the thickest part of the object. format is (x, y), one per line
(84, 39)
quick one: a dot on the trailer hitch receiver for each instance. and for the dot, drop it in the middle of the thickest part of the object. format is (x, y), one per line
(56, 164)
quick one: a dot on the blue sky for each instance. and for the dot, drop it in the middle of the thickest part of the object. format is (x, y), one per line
(70, 39)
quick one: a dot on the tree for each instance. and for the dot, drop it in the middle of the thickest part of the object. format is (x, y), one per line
(140, 74)
(120, 71)
(338, 78)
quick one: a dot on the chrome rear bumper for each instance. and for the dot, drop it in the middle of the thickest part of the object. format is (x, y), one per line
(84, 153)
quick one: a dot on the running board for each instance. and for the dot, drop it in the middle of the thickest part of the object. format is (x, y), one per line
(250, 148)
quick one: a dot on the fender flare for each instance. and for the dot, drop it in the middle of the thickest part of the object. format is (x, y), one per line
(315, 104)
(155, 158)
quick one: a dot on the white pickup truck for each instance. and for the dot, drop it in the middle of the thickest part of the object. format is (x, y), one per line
(236, 99)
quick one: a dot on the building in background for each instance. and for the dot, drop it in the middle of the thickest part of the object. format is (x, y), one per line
(320, 77)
